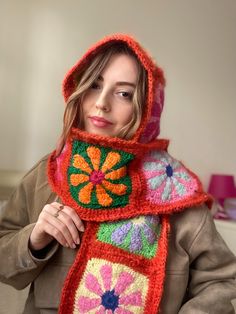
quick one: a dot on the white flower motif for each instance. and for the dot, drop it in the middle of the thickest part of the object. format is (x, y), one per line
(167, 179)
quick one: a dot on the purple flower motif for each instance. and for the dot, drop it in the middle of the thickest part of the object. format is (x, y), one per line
(149, 233)
(135, 230)
(136, 239)
(120, 233)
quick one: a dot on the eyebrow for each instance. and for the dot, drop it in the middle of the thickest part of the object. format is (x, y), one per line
(121, 83)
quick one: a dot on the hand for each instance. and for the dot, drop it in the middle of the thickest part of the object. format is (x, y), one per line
(56, 222)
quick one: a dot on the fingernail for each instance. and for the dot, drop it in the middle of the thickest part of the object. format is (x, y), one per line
(73, 246)
(81, 229)
(67, 245)
(78, 240)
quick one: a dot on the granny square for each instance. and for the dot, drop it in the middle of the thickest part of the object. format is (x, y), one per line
(108, 287)
(138, 235)
(98, 177)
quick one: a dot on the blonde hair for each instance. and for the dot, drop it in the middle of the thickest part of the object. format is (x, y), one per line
(87, 76)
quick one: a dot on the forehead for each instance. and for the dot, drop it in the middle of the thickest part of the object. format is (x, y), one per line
(121, 67)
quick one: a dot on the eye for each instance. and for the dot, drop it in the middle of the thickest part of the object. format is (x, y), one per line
(126, 95)
(95, 85)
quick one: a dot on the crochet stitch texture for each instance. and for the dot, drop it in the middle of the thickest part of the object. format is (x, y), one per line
(125, 192)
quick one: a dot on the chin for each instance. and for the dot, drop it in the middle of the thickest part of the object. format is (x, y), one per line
(99, 132)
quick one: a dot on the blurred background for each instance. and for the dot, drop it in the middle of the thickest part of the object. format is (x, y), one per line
(193, 41)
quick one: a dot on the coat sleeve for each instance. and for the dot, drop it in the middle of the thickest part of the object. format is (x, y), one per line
(212, 283)
(17, 265)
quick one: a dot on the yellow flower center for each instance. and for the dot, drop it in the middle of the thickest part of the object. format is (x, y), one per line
(139, 220)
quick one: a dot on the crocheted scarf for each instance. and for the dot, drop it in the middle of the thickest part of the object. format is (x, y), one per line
(125, 195)
(124, 191)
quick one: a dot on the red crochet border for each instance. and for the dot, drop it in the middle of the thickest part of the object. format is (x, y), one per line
(154, 269)
(138, 204)
(130, 146)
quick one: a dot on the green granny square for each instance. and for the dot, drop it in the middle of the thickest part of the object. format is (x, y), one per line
(137, 235)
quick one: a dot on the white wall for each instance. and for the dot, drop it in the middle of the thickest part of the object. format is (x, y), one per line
(194, 42)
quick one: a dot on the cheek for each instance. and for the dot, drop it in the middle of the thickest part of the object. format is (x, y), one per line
(126, 114)
(86, 104)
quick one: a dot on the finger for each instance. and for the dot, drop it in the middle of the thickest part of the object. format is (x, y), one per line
(45, 234)
(69, 217)
(51, 208)
(61, 227)
(75, 217)
(55, 233)
(56, 204)
(68, 221)
(72, 213)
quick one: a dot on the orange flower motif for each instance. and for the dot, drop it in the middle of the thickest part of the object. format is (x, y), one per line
(98, 177)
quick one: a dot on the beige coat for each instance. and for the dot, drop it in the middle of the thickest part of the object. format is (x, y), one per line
(200, 273)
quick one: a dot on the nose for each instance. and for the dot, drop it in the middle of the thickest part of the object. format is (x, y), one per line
(102, 103)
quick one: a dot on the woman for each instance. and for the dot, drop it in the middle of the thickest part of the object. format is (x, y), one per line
(110, 222)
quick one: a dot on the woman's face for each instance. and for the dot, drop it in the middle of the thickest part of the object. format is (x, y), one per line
(107, 106)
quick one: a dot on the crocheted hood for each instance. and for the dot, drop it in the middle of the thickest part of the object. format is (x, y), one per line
(150, 125)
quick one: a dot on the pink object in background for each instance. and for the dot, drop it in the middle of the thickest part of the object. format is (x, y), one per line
(230, 207)
(221, 187)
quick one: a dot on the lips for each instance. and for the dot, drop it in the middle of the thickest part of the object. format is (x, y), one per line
(99, 121)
